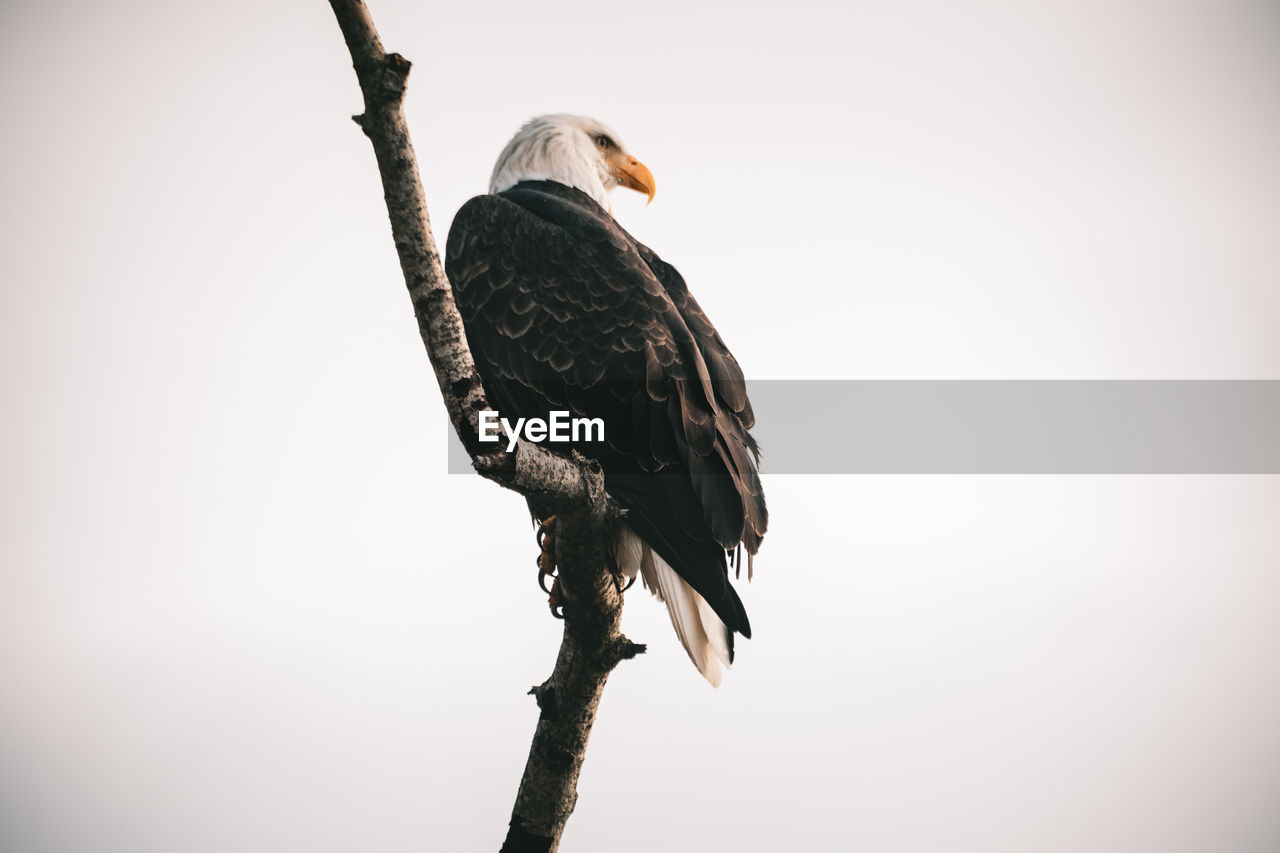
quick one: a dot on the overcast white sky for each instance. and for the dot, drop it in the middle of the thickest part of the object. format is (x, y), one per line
(242, 607)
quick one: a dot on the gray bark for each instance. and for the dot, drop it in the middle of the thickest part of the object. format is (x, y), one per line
(571, 488)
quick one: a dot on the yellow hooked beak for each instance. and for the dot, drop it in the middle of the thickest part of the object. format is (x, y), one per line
(634, 175)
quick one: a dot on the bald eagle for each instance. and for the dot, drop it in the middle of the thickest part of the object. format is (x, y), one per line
(564, 310)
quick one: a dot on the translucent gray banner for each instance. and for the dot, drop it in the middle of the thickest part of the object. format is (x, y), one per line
(1010, 427)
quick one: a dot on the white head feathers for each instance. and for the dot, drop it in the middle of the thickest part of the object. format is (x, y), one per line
(573, 150)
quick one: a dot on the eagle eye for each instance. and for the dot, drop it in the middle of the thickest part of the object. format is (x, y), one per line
(604, 141)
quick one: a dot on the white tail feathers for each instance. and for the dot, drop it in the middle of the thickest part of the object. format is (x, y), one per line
(700, 630)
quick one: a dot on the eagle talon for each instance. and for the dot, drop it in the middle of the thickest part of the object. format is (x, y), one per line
(555, 600)
(542, 578)
(547, 564)
(618, 582)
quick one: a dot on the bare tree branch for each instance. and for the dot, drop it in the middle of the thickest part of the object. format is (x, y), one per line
(573, 489)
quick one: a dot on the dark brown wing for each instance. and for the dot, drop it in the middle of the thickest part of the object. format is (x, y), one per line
(740, 450)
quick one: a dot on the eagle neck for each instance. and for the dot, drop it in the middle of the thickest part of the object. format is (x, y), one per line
(564, 193)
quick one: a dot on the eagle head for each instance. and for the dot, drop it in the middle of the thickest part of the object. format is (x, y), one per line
(573, 150)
